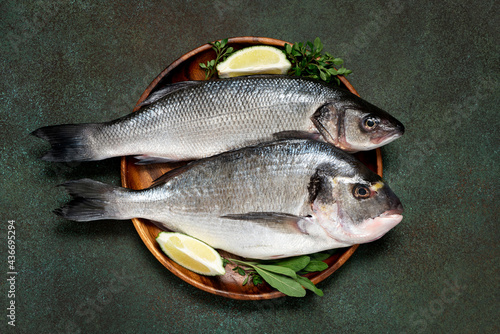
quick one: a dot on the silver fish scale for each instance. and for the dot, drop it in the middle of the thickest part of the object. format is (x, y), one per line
(252, 180)
(215, 116)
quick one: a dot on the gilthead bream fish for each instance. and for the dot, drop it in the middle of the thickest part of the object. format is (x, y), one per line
(194, 119)
(273, 200)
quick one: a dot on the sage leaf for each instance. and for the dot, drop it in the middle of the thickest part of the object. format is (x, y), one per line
(295, 263)
(320, 256)
(306, 283)
(284, 284)
(278, 270)
(315, 265)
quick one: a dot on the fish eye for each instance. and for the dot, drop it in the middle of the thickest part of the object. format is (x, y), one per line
(370, 122)
(361, 192)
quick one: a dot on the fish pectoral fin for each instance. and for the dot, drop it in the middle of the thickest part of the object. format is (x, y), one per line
(170, 174)
(169, 89)
(295, 223)
(292, 134)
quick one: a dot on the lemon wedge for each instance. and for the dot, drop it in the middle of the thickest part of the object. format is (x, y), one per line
(191, 253)
(259, 59)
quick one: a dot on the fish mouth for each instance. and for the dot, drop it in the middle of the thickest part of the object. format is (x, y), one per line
(381, 224)
(389, 217)
(393, 212)
(392, 216)
(392, 132)
(379, 141)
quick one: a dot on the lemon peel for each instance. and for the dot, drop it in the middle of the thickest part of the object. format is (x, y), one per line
(191, 253)
(259, 59)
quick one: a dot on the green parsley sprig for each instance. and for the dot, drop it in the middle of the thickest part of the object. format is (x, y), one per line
(283, 275)
(308, 61)
(222, 51)
(306, 58)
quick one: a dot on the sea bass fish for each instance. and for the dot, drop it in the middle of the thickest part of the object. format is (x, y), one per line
(273, 200)
(195, 119)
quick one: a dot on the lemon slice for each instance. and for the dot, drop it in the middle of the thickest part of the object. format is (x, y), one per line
(191, 253)
(260, 59)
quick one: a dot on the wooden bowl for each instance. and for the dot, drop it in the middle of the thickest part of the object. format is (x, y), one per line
(141, 176)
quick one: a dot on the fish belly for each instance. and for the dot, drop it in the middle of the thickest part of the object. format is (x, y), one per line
(197, 201)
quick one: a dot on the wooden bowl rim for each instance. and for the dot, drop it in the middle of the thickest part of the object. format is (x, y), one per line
(139, 224)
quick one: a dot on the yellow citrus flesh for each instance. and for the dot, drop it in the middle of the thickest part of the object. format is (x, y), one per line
(191, 253)
(260, 59)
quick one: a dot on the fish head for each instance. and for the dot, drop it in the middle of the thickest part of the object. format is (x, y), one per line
(354, 209)
(353, 124)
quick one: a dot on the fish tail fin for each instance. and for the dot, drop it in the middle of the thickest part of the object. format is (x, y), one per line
(69, 142)
(93, 200)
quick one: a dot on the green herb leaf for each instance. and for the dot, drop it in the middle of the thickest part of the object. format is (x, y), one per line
(320, 256)
(306, 283)
(322, 75)
(307, 60)
(256, 280)
(318, 46)
(332, 71)
(337, 61)
(284, 284)
(295, 263)
(221, 53)
(314, 266)
(277, 270)
(280, 274)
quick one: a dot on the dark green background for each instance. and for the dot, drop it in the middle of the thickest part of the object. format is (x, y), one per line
(433, 66)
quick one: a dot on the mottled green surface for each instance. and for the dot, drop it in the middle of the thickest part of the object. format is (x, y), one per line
(434, 66)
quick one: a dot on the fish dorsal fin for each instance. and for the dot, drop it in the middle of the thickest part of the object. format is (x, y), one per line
(169, 89)
(294, 223)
